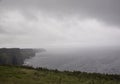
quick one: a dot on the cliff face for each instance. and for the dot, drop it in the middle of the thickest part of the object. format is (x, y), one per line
(15, 56)
(27, 53)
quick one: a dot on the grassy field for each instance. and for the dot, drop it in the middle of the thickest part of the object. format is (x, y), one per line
(28, 75)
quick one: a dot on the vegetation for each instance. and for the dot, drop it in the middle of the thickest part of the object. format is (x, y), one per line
(10, 74)
(29, 75)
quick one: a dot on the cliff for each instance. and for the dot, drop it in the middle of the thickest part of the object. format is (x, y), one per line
(15, 56)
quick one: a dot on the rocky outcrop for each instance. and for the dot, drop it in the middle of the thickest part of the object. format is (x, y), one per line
(15, 56)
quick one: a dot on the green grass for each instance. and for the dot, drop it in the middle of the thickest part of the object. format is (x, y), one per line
(28, 75)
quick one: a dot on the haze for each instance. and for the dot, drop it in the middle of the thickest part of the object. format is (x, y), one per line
(59, 23)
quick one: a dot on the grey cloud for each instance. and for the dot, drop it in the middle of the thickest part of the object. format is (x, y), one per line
(2, 31)
(58, 22)
(104, 10)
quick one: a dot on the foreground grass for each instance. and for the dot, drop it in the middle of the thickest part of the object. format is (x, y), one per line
(28, 75)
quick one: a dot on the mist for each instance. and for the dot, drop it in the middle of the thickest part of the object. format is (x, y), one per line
(57, 23)
(78, 32)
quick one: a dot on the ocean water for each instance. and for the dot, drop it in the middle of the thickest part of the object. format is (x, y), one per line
(100, 60)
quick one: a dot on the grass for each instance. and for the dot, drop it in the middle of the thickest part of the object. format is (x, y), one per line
(29, 75)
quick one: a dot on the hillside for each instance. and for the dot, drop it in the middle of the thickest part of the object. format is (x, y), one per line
(29, 75)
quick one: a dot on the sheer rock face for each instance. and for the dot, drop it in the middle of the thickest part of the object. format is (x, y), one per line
(15, 56)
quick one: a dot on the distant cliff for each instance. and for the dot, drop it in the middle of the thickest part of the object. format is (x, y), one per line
(16, 56)
(39, 50)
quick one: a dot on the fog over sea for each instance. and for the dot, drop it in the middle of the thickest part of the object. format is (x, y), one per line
(97, 59)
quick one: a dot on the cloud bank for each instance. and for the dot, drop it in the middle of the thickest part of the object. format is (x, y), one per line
(45, 23)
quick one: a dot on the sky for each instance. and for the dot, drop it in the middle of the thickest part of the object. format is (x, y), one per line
(59, 23)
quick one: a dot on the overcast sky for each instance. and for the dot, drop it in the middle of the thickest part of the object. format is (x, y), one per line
(56, 23)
